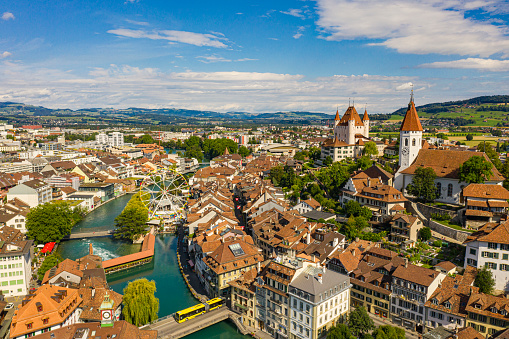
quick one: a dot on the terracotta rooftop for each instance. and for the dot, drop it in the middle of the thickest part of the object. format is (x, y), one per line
(486, 191)
(351, 114)
(491, 232)
(446, 163)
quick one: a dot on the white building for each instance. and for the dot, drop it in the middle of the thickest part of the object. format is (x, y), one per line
(15, 262)
(33, 192)
(115, 139)
(16, 166)
(318, 299)
(490, 247)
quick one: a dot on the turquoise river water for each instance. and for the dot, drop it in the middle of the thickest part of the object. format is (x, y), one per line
(172, 292)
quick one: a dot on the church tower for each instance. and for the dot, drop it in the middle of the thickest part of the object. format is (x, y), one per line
(410, 133)
(107, 311)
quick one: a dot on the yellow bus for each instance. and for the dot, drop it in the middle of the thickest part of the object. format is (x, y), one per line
(215, 303)
(189, 313)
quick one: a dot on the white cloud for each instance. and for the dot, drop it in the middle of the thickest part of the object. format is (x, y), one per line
(7, 16)
(5, 55)
(197, 39)
(246, 59)
(122, 86)
(294, 12)
(415, 27)
(139, 23)
(472, 63)
(275, 39)
(207, 59)
(405, 86)
(299, 33)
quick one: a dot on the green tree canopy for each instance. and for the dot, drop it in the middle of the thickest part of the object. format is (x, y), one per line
(50, 221)
(140, 304)
(244, 151)
(425, 233)
(359, 322)
(194, 152)
(327, 161)
(423, 184)
(49, 262)
(370, 149)
(475, 170)
(491, 153)
(340, 331)
(131, 222)
(388, 332)
(470, 137)
(485, 281)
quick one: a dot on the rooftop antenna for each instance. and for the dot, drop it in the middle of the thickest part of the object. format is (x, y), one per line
(348, 102)
(412, 93)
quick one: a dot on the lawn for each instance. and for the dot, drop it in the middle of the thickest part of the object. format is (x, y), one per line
(451, 225)
(477, 139)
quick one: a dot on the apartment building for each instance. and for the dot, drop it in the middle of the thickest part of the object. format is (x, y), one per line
(15, 262)
(115, 139)
(405, 228)
(487, 314)
(318, 299)
(489, 247)
(411, 287)
(446, 306)
(33, 192)
(49, 308)
(272, 298)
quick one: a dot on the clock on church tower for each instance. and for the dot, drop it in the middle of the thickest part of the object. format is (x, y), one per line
(107, 312)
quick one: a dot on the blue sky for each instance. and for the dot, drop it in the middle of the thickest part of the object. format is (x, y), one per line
(253, 56)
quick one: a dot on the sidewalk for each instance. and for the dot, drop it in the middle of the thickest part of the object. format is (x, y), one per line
(189, 276)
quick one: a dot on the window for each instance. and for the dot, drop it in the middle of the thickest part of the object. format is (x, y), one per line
(472, 262)
(505, 256)
(439, 189)
(473, 251)
(406, 142)
(504, 247)
(491, 265)
(492, 246)
(449, 190)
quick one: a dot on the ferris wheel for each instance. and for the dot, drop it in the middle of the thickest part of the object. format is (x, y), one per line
(165, 194)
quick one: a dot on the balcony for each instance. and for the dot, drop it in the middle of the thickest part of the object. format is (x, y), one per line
(243, 307)
(275, 301)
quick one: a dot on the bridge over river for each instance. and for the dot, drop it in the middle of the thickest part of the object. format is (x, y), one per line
(83, 235)
(168, 328)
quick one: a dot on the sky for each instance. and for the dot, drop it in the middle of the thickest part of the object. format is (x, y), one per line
(252, 56)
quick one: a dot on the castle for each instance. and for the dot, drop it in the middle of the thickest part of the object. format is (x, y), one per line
(350, 134)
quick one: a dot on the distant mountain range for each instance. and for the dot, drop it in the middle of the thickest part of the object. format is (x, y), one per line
(28, 113)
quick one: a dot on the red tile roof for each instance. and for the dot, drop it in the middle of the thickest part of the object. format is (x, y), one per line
(411, 121)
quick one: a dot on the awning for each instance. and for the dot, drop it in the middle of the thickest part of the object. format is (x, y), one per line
(191, 264)
(48, 247)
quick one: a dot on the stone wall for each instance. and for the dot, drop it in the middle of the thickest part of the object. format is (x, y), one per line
(448, 231)
(428, 210)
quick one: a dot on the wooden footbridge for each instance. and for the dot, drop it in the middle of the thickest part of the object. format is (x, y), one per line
(168, 328)
(84, 235)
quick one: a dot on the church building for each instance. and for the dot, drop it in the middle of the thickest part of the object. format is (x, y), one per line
(350, 134)
(414, 154)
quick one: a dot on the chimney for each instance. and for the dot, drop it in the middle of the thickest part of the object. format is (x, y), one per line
(93, 292)
(369, 182)
(258, 267)
(308, 238)
(90, 249)
(406, 262)
(353, 252)
(319, 278)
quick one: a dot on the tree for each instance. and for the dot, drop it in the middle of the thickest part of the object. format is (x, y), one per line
(359, 322)
(370, 149)
(140, 304)
(470, 137)
(244, 151)
(340, 331)
(48, 263)
(50, 222)
(442, 136)
(485, 281)
(194, 152)
(388, 332)
(475, 170)
(491, 153)
(327, 161)
(423, 184)
(131, 222)
(145, 139)
(352, 207)
(425, 233)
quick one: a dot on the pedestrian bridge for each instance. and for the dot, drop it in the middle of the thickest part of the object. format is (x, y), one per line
(83, 235)
(168, 328)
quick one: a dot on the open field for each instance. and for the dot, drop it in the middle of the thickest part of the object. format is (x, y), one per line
(477, 139)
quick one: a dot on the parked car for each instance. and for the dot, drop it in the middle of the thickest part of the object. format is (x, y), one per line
(9, 306)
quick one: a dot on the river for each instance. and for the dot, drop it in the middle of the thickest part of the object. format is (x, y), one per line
(172, 292)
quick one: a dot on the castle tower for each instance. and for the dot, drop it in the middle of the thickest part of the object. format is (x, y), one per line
(365, 121)
(410, 136)
(337, 119)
